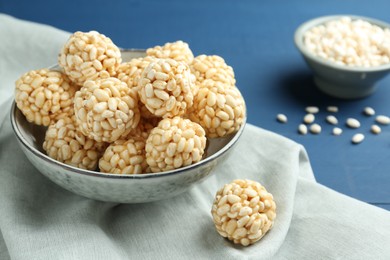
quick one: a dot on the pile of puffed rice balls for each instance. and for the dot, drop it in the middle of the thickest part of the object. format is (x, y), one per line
(150, 114)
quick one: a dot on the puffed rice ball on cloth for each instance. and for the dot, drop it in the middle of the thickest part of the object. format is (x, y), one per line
(106, 109)
(243, 211)
(125, 157)
(130, 73)
(64, 143)
(44, 96)
(167, 88)
(89, 55)
(212, 67)
(179, 51)
(219, 108)
(174, 143)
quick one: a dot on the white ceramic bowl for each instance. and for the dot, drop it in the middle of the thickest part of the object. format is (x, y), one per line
(338, 80)
(135, 188)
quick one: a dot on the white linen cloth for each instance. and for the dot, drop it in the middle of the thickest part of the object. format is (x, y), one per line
(40, 220)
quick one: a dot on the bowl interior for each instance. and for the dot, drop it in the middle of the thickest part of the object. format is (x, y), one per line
(299, 42)
(32, 136)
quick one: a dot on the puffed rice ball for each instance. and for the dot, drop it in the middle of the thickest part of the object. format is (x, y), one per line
(219, 108)
(179, 51)
(44, 96)
(64, 143)
(125, 157)
(130, 73)
(106, 109)
(243, 211)
(89, 55)
(174, 143)
(166, 88)
(212, 67)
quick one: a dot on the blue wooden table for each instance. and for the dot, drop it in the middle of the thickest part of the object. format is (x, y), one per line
(256, 39)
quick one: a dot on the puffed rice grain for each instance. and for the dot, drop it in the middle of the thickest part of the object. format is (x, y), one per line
(309, 118)
(375, 129)
(179, 51)
(219, 108)
(331, 119)
(369, 111)
(315, 128)
(243, 211)
(302, 129)
(383, 120)
(352, 123)
(312, 109)
(174, 143)
(125, 157)
(357, 138)
(282, 118)
(64, 143)
(44, 96)
(106, 109)
(332, 109)
(337, 131)
(89, 55)
(166, 87)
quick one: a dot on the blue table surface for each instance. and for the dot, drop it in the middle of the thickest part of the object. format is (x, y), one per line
(256, 39)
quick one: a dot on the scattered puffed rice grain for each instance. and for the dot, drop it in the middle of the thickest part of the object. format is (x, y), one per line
(383, 120)
(302, 129)
(315, 128)
(312, 110)
(309, 118)
(332, 109)
(337, 131)
(332, 120)
(376, 129)
(369, 111)
(357, 138)
(353, 123)
(281, 118)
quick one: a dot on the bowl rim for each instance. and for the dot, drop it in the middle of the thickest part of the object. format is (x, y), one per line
(76, 170)
(299, 33)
